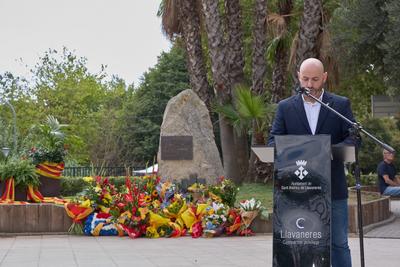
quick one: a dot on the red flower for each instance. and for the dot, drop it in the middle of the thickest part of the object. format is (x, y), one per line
(134, 209)
(197, 230)
(103, 215)
(121, 205)
(128, 198)
(246, 232)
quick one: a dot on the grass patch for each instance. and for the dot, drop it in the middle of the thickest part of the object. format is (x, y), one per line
(262, 192)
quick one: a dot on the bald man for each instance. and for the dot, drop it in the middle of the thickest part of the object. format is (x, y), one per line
(302, 115)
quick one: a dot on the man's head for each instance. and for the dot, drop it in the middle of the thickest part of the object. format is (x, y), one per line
(312, 76)
(388, 156)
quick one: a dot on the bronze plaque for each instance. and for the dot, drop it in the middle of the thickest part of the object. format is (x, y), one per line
(176, 147)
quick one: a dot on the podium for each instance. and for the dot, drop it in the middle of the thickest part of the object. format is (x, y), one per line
(302, 197)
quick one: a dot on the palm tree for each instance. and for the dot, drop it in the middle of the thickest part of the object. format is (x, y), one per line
(310, 28)
(259, 34)
(234, 32)
(313, 40)
(279, 47)
(250, 113)
(222, 86)
(235, 41)
(181, 17)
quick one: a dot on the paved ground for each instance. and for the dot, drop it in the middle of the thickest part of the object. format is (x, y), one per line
(391, 230)
(114, 251)
(254, 251)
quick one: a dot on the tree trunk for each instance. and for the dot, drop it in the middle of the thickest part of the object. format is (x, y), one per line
(235, 41)
(236, 74)
(259, 34)
(280, 73)
(259, 69)
(309, 31)
(192, 36)
(222, 87)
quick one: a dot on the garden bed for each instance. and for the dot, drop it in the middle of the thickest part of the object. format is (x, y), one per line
(376, 208)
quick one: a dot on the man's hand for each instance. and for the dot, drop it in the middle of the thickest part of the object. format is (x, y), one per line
(388, 181)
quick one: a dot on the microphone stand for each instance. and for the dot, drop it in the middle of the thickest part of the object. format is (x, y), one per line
(355, 131)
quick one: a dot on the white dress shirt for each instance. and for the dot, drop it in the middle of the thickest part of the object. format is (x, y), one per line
(312, 112)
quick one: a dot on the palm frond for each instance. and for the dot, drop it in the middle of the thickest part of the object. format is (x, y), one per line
(228, 111)
(271, 50)
(170, 21)
(53, 123)
(293, 51)
(248, 105)
(276, 25)
(324, 46)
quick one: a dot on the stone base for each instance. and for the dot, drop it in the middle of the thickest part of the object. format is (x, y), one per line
(34, 218)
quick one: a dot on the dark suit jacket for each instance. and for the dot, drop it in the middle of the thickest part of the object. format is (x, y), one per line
(291, 118)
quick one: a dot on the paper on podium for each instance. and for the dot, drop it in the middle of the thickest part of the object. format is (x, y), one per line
(344, 153)
(264, 153)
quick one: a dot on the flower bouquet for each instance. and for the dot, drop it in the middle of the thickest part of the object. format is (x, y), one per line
(132, 212)
(77, 211)
(100, 192)
(165, 191)
(175, 209)
(214, 220)
(197, 191)
(249, 209)
(100, 224)
(234, 221)
(192, 218)
(224, 191)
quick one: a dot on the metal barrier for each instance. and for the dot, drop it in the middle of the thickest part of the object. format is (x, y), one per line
(97, 170)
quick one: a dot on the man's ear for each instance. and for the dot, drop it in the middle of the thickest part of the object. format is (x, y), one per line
(298, 75)
(325, 76)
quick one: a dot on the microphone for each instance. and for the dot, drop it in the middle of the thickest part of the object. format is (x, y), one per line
(302, 90)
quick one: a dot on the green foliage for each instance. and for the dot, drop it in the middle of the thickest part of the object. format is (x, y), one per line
(366, 36)
(226, 191)
(23, 172)
(366, 179)
(48, 142)
(248, 109)
(370, 153)
(263, 192)
(142, 114)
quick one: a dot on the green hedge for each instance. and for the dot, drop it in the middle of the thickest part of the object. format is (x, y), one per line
(366, 179)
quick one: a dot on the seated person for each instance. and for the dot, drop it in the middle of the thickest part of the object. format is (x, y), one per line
(389, 183)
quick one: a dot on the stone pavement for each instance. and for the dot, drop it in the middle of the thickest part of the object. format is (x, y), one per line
(391, 230)
(63, 250)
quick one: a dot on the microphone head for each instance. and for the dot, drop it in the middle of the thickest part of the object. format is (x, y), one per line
(300, 90)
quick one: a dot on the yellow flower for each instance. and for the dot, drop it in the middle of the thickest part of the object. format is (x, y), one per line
(152, 232)
(147, 199)
(88, 179)
(143, 212)
(156, 203)
(97, 189)
(85, 204)
(108, 196)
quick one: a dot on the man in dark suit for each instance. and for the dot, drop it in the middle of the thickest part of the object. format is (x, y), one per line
(302, 115)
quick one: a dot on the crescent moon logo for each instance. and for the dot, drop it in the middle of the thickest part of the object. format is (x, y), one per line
(298, 223)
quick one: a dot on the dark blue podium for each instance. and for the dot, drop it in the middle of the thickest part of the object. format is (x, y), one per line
(302, 197)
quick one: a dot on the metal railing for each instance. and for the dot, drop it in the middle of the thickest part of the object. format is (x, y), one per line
(98, 170)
